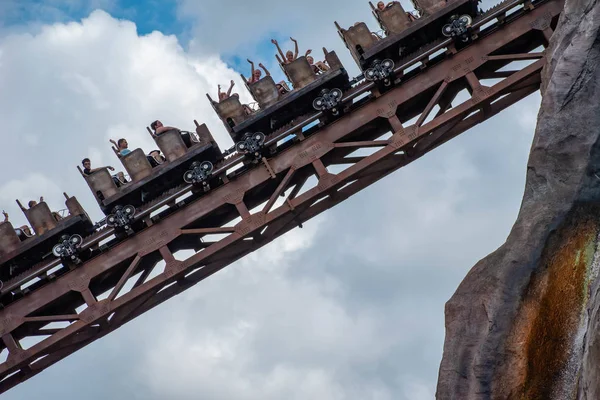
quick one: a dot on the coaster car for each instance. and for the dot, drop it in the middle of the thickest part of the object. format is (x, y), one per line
(312, 92)
(150, 177)
(19, 254)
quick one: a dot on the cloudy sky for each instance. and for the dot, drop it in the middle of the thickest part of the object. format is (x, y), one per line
(350, 307)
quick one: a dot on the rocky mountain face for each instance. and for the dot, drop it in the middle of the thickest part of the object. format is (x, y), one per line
(525, 322)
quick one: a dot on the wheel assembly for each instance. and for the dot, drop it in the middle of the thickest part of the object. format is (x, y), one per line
(199, 173)
(251, 144)
(381, 71)
(68, 248)
(329, 100)
(458, 27)
(121, 217)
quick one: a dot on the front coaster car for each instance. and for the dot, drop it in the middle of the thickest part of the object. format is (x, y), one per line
(251, 145)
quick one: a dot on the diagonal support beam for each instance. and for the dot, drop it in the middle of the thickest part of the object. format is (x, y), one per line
(279, 190)
(434, 100)
(124, 278)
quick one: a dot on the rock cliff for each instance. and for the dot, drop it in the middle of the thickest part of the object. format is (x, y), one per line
(525, 322)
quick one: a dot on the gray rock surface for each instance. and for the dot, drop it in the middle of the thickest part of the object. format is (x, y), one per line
(491, 350)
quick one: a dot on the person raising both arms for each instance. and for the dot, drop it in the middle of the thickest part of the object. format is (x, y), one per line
(33, 203)
(255, 74)
(289, 56)
(225, 95)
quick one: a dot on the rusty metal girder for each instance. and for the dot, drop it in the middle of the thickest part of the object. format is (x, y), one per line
(274, 197)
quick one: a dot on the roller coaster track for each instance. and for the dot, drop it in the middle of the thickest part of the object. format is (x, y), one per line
(198, 236)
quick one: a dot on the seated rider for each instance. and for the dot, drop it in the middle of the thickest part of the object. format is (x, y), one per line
(23, 232)
(318, 67)
(155, 158)
(224, 96)
(159, 129)
(122, 146)
(255, 74)
(282, 87)
(33, 203)
(382, 6)
(289, 56)
(118, 178)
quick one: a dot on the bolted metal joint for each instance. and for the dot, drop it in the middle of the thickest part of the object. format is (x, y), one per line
(199, 173)
(329, 100)
(381, 71)
(68, 248)
(458, 27)
(251, 145)
(121, 217)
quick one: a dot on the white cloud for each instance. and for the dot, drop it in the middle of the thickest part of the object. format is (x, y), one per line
(71, 87)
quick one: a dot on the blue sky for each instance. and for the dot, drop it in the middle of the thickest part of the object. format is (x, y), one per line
(148, 15)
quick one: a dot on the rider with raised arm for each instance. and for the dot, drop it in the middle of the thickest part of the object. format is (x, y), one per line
(122, 146)
(23, 232)
(289, 55)
(255, 74)
(225, 95)
(33, 203)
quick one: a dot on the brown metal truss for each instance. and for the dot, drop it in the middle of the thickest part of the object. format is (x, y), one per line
(272, 198)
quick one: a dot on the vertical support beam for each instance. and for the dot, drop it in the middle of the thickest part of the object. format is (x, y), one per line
(242, 209)
(395, 124)
(547, 34)
(165, 253)
(88, 297)
(473, 81)
(11, 344)
(319, 167)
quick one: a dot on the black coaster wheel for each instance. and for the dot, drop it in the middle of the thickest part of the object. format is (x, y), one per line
(121, 217)
(381, 72)
(251, 144)
(329, 101)
(199, 173)
(458, 27)
(68, 248)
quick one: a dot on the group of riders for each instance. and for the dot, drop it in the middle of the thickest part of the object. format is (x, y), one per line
(318, 67)
(121, 149)
(155, 157)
